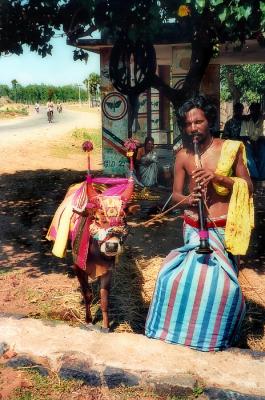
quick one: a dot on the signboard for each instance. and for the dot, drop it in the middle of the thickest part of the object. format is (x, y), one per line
(114, 106)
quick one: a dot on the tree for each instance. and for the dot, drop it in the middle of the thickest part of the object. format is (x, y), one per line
(94, 82)
(245, 83)
(14, 84)
(206, 24)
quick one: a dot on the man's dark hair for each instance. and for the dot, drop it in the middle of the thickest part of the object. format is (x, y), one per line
(202, 102)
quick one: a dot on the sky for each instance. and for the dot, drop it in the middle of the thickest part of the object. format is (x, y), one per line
(58, 69)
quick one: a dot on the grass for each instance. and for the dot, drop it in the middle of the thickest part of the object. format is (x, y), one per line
(73, 141)
(82, 134)
(4, 271)
(54, 388)
(45, 388)
(9, 112)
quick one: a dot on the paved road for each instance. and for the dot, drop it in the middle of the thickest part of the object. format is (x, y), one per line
(36, 122)
(28, 140)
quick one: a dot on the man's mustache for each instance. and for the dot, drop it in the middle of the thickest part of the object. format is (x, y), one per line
(195, 135)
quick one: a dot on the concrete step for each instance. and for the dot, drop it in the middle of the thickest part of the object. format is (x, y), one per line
(131, 359)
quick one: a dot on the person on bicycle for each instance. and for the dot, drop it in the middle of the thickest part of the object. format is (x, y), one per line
(37, 107)
(59, 107)
(50, 107)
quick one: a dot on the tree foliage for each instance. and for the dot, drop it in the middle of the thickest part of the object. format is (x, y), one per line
(245, 83)
(29, 94)
(208, 23)
(92, 83)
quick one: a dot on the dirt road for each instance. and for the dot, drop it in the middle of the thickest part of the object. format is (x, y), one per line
(29, 143)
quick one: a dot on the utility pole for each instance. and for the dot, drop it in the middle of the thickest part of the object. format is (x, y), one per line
(88, 93)
(79, 94)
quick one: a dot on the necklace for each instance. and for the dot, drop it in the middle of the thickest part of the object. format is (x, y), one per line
(206, 148)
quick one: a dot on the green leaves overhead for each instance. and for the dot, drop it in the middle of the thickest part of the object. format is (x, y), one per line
(200, 5)
(248, 79)
(215, 3)
(223, 15)
(243, 12)
(37, 21)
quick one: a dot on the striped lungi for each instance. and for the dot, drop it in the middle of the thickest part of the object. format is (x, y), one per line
(197, 301)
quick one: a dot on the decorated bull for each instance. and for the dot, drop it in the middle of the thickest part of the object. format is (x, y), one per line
(94, 222)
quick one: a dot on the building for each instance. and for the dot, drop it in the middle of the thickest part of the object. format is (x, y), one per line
(155, 115)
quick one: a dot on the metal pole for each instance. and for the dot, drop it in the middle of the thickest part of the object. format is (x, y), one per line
(88, 93)
(79, 87)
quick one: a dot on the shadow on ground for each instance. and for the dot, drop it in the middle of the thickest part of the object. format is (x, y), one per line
(28, 200)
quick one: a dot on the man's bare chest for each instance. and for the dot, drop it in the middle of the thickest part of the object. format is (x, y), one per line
(209, 161)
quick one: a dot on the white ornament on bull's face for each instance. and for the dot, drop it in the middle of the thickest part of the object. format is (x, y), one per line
(109, 228)
(110, 240)
(111, 247)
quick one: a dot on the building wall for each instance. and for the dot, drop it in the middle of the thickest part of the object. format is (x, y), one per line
(115, 108)
(210, 84)
(154, 115)
(114, 121)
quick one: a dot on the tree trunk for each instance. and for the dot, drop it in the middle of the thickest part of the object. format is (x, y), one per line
(235, 91)
(201, 54)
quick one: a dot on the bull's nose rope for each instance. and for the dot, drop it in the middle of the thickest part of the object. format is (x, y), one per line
(159, 216)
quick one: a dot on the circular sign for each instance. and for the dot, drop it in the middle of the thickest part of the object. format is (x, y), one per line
(114, 106)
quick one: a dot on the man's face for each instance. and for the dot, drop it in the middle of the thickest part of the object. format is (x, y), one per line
(196, 121)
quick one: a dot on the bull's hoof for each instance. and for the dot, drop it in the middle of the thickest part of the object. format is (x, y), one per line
(104, 330)
(96, 328)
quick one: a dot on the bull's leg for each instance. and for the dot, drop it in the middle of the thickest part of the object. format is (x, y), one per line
(104, 297)
(86, 291)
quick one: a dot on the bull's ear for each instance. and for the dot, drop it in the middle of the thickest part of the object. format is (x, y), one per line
(127, 193)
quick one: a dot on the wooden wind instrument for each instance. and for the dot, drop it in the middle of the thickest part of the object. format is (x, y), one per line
(204, 247)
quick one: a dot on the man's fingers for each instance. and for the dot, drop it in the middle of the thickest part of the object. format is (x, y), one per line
(197, 195)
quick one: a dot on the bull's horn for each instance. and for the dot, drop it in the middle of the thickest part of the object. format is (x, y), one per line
(91, 192)
(128, 191)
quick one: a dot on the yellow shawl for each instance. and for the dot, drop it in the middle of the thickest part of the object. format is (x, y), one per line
(61, 223)
(240, 216)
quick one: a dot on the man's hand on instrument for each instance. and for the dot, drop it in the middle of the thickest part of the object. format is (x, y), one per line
(203, 176)
(196, 195)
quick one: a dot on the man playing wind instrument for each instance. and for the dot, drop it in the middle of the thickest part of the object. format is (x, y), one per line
(197, 300)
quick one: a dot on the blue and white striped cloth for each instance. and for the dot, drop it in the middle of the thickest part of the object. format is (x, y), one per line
(197, 300)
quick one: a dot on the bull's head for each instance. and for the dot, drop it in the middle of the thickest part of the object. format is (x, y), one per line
(112, 244)
(109, 227)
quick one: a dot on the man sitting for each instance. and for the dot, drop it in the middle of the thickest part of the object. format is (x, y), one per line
(197, 301)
